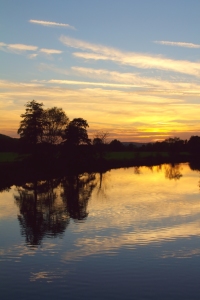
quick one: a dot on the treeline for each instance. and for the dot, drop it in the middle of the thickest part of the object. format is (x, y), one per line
(170, 145)
(49, 139)
(51, 126)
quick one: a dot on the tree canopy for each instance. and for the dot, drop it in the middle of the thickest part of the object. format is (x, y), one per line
(39, 125)
(31, 127)
(55, 121)
(76, 132)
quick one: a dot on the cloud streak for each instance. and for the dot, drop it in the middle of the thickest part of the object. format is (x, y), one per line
(138, 60)
(17, 47)
(131, 79)
(51, 24)
(50, 51)
(178, 44)
(104, 84)
(32, 56)
(21, 48)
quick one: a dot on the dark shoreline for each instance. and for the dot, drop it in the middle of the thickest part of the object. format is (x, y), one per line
(21, 172)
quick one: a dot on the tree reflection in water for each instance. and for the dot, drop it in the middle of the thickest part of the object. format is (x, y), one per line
(46, 206)
(76, 193)
(137, 170)
(173, 171)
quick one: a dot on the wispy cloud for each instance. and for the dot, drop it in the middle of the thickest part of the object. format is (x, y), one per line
(147, 62)
(135, 80)
(22, 48)
(122, 80)
(178, 44)
(2, 45)
(79, 44)
(54, 68)
(51, 24)
(105, 84)
(50, 51)
(17, 47)
(31, 56)
(139, 60)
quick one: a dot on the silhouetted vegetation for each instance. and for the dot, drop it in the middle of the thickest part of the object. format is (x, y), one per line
(49, 140)
(8, 144)
(116, 145)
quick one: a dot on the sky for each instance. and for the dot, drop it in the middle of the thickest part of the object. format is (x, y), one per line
(130, 68)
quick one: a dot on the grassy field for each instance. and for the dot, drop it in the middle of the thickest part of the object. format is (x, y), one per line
(117, 156)
(9, 157)
(133, 155)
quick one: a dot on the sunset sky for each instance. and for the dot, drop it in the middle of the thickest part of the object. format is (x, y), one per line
(130, 68)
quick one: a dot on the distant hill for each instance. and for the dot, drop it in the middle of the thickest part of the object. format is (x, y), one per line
(8, 143)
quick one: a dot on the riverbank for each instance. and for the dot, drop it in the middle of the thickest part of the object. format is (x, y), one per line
(18, 169)
(106, 160)
(125, 159)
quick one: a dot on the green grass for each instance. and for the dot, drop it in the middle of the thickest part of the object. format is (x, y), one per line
(140, 155)
(119, 155)
(185, 153)
(10, 157)
(133, 155)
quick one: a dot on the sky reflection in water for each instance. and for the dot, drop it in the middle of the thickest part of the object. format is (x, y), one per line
(126, 224)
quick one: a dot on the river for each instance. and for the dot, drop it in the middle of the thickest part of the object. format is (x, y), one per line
(129, 233)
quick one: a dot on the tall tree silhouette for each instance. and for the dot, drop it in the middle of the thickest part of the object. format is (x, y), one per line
(31, 127)
(76, 132)
(55, 121)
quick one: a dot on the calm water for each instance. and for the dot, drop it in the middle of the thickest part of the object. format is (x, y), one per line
(127, 234)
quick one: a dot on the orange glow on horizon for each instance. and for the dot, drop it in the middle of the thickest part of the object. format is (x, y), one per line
(131, 116)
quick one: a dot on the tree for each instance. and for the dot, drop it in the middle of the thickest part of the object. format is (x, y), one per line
(42, 126)
(31, 127)
(175, 144)
(100, 143)
(194, 144)
(76, 132)
(116, 145)
(55, 121)
(100, 138)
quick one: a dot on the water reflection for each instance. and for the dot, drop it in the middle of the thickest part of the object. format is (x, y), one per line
(173, 171)
(126, 226)
(46, 206)
(137, 197)
(40, 212)
(140, 210)
(76, 193)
